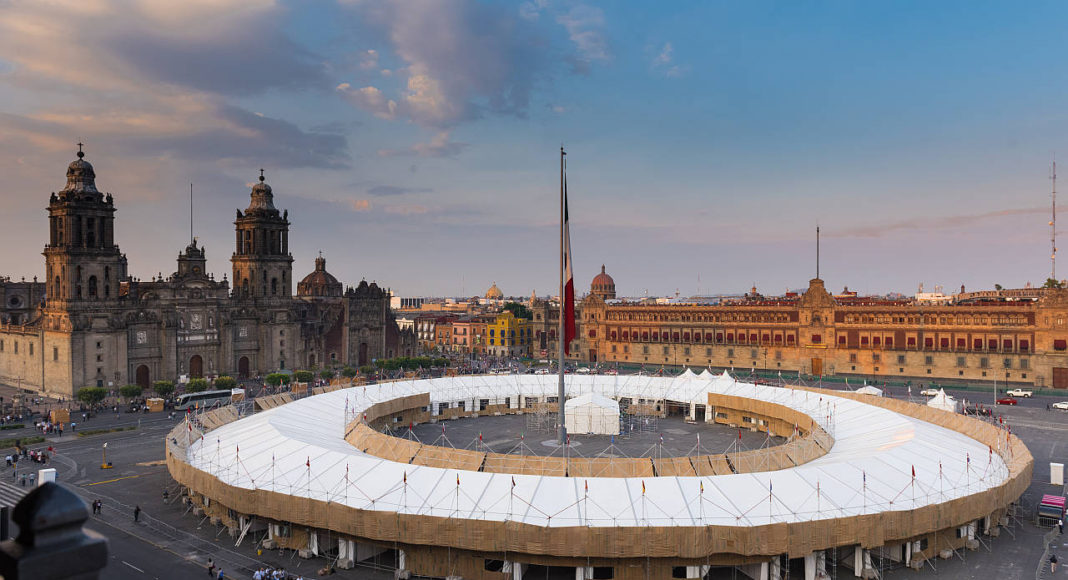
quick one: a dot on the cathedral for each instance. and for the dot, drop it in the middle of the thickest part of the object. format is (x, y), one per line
(90, 324)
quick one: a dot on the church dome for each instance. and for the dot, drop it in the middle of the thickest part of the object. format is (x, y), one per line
(80, 175)
(603, 285)
(262, 198)
(494, 293)
(320, 282)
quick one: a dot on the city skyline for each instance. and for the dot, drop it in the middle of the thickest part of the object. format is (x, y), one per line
(705, 141)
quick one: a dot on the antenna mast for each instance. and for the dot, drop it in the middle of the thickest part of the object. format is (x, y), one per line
(817, 252)
(1053, 224)
(190, 213)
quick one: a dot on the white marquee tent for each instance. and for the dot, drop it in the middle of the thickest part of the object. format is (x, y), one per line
(943, 401)
(870, 390)
(592, 413)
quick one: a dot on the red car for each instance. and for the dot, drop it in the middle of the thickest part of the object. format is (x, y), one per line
(1008, 401)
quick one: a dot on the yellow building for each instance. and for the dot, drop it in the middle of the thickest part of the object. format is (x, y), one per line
(509, 336)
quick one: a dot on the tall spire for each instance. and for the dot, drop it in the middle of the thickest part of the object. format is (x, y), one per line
(817, 251)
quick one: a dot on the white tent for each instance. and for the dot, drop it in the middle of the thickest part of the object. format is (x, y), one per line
(870, 390)
(687, 374)
(706, 375)
(943, 401)
(592, 413)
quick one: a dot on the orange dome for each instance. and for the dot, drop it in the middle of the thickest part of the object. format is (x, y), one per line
(603, 285)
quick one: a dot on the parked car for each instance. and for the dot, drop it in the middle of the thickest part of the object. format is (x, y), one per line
(1008, 401)
(929, 392)
(542, 371)
(1061, 406)
(1020, 393)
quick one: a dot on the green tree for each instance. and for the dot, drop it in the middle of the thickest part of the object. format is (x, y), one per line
(326, 375)
(1051, 283)
(367, 370)
(92, 395)
(303, 376)
(130, 391)
(997, 287)
(275, 379)
(348, 372)
(225, 382)
(196, 385)
(519, 310)
(163, 388)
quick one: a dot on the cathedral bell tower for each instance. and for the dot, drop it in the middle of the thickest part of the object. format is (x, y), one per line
(82, 262)
(262, 264)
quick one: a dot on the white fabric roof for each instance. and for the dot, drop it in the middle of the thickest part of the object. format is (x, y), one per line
(942, 401)
(591, 399)
(299, 449)
(870, 390)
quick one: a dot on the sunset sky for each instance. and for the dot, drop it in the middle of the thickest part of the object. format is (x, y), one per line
(416, 143)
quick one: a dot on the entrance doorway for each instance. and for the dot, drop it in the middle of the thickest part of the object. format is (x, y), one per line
(1060, 378)
(362, 358)
(817, 367)
(196, 367)
(142, 377)
(242, 368)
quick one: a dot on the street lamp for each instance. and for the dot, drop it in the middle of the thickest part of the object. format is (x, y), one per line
(104, 464)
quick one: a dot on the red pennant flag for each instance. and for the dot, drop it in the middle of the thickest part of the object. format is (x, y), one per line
(587, 486)
(513, 481)
(405, 478)
(643, 487)
(308, 462)
(913, 472)
(457, 480)
(237, 449)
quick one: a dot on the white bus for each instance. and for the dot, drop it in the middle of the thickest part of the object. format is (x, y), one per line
(203, 400)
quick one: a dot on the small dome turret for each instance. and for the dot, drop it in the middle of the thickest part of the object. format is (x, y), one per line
(80, 176)
(603, 285)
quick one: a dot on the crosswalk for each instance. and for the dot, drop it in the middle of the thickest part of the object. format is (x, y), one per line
(11, 494)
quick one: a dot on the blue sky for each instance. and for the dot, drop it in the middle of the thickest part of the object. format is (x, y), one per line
(415, 143)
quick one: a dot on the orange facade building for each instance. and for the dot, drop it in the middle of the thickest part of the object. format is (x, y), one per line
(1018, 341)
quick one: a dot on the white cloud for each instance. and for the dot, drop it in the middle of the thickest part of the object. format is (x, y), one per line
(664, 63)
(370, 99)
(439, 146)
(584, 26)
(369, 60)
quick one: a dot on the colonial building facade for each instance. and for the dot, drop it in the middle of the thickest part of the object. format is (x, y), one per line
(89, 323)
(1018, 341)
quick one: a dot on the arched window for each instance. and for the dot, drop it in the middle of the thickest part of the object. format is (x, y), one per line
(55, 288)
(244, 287)
(274, 286)
(92, 287)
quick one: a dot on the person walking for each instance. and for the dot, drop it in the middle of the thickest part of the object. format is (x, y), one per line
(33, 478)
(1060, 525)
(1053, 564)
(137, 513)
(211, 567)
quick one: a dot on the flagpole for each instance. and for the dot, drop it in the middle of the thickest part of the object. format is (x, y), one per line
(562, 429)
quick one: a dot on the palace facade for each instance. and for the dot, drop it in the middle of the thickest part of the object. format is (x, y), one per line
(90, 324)
(1020, 341)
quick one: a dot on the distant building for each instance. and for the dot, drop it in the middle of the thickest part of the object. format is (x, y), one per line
(815, 333)
(90, 324)
(509, 336)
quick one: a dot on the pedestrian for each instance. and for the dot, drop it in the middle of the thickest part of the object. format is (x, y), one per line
(137, 513)
(23, 480)
(33, 478)
(1053, 564)
(211, 567)
(221, 576)
(1060, 525)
